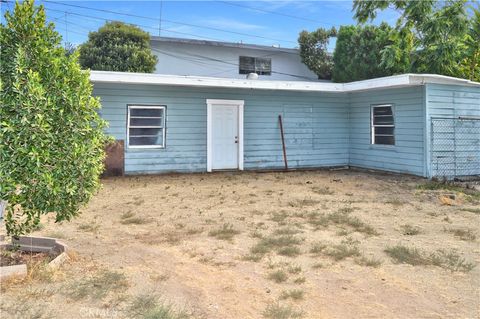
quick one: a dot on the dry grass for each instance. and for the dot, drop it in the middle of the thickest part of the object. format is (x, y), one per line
(91, 227)
(285, 245)
(368, 261)
(285, 225)
(278, 311)
(149, 306)
(294, 294)
(341, 218)
(466, 234)
(323, 190)
(278, 276)
(97, 286)
(472, 210)
(226, 232)
(409, 230)
(450, 260)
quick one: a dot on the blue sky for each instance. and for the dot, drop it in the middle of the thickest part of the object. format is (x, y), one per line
(258, 22)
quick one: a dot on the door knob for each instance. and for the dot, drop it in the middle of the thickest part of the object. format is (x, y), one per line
(236, 139)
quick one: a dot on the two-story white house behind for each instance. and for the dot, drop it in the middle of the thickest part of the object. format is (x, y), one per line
(177, 56)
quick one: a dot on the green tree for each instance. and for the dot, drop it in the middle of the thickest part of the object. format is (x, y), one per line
(470, 66)
(313, 51)
(437, 31)
(358, 53)
(51, 136)
(117, 46)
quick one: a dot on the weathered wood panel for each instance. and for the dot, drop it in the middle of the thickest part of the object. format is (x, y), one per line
(316, 127)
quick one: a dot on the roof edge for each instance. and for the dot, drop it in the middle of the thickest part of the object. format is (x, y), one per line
(224, 44)
(402, 80)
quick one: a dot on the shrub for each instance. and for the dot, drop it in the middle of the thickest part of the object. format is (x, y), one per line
(52, 140)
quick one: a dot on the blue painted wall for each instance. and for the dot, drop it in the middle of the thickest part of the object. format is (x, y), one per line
(316, 126)
(321, 129)
(455, 143)
(408, 154)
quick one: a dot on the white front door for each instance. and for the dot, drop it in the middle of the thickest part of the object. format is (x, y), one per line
(225, 134)
(225, 137)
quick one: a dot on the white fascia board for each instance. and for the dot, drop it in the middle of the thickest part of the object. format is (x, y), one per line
(175, 80)
(194, 81)
(420, 79)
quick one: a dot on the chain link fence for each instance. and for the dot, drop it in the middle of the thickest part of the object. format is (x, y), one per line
(456, 148)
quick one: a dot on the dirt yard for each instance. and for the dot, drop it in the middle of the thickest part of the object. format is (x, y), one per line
(317, 244)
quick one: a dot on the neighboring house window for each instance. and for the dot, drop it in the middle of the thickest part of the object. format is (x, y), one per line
(146, 126)
(383, 125)
(261, 66)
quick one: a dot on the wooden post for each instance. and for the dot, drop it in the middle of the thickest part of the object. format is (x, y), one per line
(283, 142)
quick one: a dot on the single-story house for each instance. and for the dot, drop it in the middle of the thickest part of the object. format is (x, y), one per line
(420, 124)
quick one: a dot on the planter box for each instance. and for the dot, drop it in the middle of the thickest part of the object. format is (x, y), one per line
(37, 245)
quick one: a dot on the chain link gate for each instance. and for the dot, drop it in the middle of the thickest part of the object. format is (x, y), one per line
(455, 148)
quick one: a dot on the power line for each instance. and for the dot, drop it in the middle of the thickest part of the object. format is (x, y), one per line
(135, 24)
(274, 12)
(170, 21)
(139, 25)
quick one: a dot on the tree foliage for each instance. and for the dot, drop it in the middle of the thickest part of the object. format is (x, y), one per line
(313, 51)
(470, 66)
(358, 53)
(117, 46)
(438, 32)
(51, 136)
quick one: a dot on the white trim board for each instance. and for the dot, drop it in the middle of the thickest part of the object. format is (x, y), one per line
(403, 80)
(240, 105)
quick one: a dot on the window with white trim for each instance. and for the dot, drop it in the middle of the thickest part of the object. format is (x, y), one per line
(261, 66)
(146, 126)
(383, 124)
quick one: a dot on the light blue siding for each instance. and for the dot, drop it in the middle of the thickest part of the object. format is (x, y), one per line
(316, 127)
(408, 154)
(457, 144)
(321, 129)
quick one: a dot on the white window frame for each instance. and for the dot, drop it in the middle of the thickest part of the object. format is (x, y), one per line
(372, 126)
(254, 65)
(163, 127)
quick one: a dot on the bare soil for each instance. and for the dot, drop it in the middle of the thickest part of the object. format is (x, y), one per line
(255, 245)
(18, 257)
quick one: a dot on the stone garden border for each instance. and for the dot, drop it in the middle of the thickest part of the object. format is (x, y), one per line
(34, 244)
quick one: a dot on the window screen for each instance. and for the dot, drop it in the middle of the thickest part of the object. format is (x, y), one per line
(146, 126)
(383, 125)
(261, 66)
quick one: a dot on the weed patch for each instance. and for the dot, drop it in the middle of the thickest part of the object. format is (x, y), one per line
(278, 311)
(98, 286)
(226, 232)
(450, 260)
(341, 218)
(278, 276)
(368, 261)
(342, 251)
(295, 294)
(317, 248)
(463, 234)
(89, 227)
(135, 221)
(323, 190)
(285, 245)
(409, 230)
(472, 210)
(149, 306)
